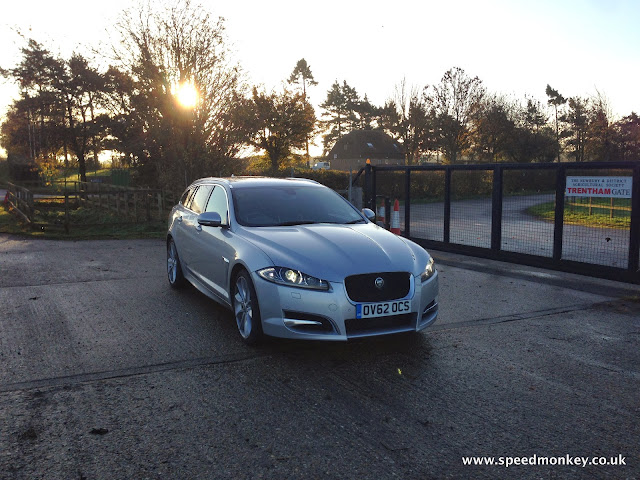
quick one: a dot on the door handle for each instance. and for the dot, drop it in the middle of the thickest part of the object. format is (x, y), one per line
(180, 219)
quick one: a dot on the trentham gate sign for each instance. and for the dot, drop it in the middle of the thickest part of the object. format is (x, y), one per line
(608, 187)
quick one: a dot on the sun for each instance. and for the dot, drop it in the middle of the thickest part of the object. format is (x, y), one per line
(187, 94)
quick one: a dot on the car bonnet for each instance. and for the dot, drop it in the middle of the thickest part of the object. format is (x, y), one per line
(333, 251)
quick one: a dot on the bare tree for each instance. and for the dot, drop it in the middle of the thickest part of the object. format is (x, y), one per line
(405, 117)
(164, 47)
(600, 131)
(455, 101)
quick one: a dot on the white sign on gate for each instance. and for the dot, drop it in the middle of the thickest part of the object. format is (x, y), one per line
(608, 187)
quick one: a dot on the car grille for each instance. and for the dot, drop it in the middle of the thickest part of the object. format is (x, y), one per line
(371, 326)
(362, 288)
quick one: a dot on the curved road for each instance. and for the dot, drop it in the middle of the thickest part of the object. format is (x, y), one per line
(521, 233)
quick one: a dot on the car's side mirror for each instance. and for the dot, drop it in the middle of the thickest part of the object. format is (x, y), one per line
(370, 214)
(209, 219)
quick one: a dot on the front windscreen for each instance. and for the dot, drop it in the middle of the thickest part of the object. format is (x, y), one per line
(268, 206)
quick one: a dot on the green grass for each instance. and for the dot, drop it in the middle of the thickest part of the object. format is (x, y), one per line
(74, 177)
(578, 213)
(9, 222)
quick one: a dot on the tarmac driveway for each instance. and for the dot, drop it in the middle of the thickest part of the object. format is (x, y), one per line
(105, 372)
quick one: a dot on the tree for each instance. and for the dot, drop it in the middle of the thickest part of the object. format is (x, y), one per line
(367, 114)
(455, 101)
(599, 145)
(60, 100)
(533, 139)
(79, 86)
(406, 118)
(341, 107)
(494, 129)
(39, 108)
(577, 121)
(556, 100)
(163, 48)
(281, 123)
(15, 132)
(626, 138)
(534, 117)
(302, 76)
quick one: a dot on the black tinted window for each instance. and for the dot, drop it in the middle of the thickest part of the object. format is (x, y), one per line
(291, 205)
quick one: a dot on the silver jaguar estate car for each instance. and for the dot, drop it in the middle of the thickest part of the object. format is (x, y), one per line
(292, 258)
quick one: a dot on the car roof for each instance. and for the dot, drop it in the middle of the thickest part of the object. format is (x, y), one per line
(242, 182)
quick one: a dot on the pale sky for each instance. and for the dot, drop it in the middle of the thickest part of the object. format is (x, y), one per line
(516, 47)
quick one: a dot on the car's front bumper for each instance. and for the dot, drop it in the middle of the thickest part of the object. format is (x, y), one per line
(290, 312)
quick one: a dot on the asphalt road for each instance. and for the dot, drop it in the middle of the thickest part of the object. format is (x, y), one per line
(521, 233)
(105, 372)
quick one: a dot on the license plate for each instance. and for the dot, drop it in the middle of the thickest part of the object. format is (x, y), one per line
(383, 309)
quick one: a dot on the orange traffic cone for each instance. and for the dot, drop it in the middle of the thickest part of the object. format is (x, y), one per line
(395, 218)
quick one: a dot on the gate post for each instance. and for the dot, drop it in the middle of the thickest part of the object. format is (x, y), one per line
(558, 224)
(369, 186)
(407, 203)
(66, 212)
(496, 209)
(446, 234)
(634, 233)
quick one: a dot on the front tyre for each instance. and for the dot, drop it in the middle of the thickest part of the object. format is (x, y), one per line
(174, 269)
(246, 309)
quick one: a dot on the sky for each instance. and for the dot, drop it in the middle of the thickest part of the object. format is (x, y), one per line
(516, 47)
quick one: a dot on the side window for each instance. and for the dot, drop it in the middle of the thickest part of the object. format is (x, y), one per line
(218, 203)
(200, 198)
(186, 196)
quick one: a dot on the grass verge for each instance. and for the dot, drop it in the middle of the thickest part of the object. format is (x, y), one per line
(599, 216)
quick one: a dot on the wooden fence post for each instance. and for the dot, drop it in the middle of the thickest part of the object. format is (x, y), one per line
(66, 212)
(148, 204)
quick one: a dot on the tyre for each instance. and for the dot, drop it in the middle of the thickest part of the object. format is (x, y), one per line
(246, 309)
(174, 269)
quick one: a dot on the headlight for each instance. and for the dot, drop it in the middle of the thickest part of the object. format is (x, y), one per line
(292, 278)
(428, 271)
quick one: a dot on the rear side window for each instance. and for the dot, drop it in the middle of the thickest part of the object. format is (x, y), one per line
(186, 196)
(200, 198)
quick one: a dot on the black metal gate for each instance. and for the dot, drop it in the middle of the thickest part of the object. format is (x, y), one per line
(577, 217)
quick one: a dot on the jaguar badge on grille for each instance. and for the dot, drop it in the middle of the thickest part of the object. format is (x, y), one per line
(379, 283)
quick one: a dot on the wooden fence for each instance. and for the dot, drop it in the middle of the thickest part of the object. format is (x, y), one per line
(22, 200)
(130, 205)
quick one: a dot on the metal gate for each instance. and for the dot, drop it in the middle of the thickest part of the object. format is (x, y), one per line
(576, 217)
